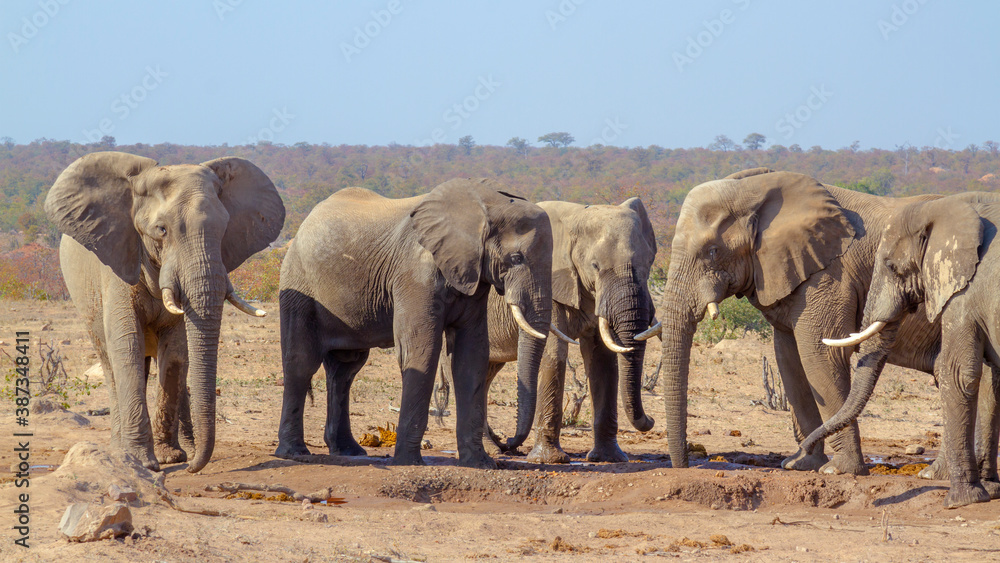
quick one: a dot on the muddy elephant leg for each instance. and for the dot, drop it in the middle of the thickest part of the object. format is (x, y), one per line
(300, 358)
(805, 415)
(341, 368)
(171, 363)
(418, 347)
(601, 366)
(470, 367)
(959, 369)
(828, 373)
(988, 430)
(549, 410)
(126, 353)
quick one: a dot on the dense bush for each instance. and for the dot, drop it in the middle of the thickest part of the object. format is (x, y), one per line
(737, 317)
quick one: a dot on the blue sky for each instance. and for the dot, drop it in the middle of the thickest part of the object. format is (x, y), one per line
(883, 72)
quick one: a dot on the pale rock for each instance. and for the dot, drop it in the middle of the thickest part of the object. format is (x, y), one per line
(84, 522)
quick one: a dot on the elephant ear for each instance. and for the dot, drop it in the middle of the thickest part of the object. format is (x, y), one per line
(951, 232)
(799, 229)
(565, 280)
(451, 224)
(645, 226)
(91, 201)
(256, 213)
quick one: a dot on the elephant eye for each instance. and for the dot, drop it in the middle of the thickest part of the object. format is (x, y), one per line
(712, 253)
(161, 230)
(517, 259)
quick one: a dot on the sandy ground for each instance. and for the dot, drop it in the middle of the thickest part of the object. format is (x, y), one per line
(586, 512)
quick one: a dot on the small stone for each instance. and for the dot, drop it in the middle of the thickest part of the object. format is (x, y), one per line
(720, 473)
(121, 493)
(836, 517)
(592, 535)
(661, 498)
(802, 549)
(914, 449)
(959, 519)
(317, 516)
(557, 511)
(307, 504)
(425, 445)
(425, 508)
(702, 432)
(83, 522)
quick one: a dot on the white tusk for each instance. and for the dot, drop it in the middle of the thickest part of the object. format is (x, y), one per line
(523, 323)
(713, 310)
(169, 303)
(242, 305)
(608, 339)
(239, 303)
(856, 337)
(650, 332)
(563, 337)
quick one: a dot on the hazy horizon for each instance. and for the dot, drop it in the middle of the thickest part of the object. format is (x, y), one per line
(883, 73)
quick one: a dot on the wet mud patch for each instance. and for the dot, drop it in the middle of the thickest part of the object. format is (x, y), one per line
(752, 491)
(460, 485)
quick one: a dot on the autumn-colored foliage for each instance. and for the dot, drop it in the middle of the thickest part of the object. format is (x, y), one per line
(257, 278)
(305, 174)
(31, 272)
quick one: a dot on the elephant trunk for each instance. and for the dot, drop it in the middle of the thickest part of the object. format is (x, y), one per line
(627, 304)
(203, 320)
(871, 359)
(680, 320)
(529, 358)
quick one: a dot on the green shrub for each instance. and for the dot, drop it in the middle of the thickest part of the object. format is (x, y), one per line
(737, 317)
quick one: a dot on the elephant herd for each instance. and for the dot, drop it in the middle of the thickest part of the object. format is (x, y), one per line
(470, 277)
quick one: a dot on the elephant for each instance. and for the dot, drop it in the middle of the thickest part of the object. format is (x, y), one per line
(145, 252)
(601, 258)
(939, 254)
(802, 253)
(365, 271)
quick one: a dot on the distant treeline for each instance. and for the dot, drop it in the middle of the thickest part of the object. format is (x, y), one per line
(306, 174)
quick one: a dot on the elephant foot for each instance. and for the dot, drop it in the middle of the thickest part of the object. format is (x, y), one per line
(937, 471)
(492, 448)
(407, 458)
(290, 450)
(349, 447)
(166, 453)
(992, 488)
(547, 453)
(964, 494)
(478, 460)
(608, 452)
(801, 461)
(145, 455)
(843, 464)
